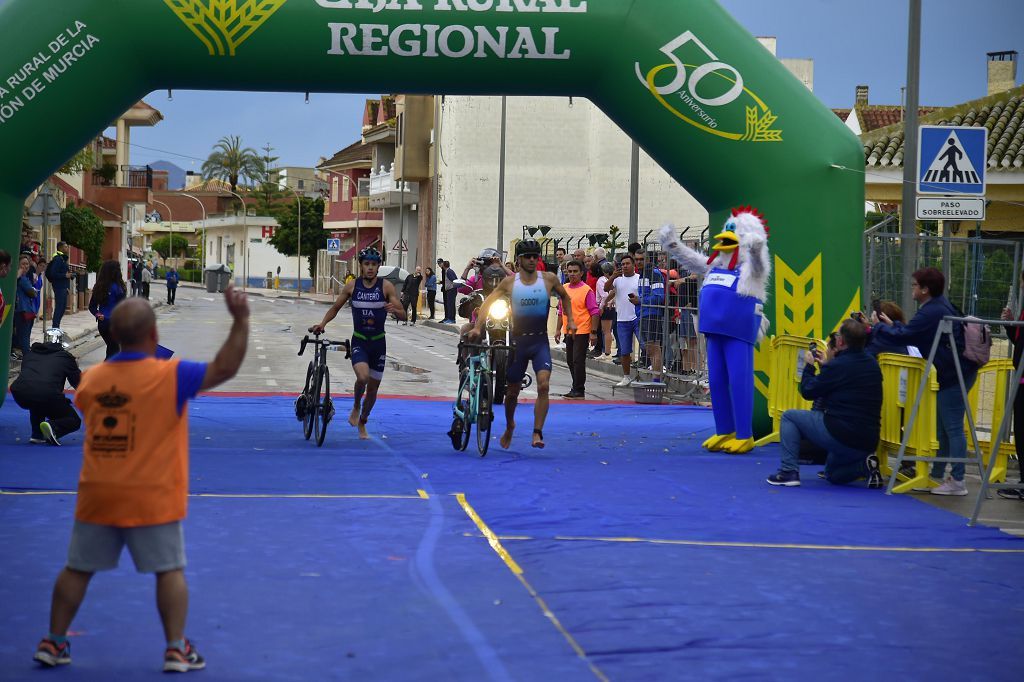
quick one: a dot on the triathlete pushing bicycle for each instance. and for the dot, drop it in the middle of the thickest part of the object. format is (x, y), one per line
(372, 299)
(530, 292)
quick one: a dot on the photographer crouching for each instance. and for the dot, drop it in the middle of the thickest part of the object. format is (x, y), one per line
(848, 428)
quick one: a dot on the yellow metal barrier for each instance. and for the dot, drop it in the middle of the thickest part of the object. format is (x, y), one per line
(1000, 372)
(786, 366)
(901, 378)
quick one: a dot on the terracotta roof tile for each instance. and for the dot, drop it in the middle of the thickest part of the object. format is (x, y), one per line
(842, 114)
(357, 151)
(1002, 114)
(212, 185)
(875, 116)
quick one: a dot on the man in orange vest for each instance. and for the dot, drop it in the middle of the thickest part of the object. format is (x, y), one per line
(133, 486)
(585, 313)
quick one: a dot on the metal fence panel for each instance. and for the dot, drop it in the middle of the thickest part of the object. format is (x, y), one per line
(981, 274)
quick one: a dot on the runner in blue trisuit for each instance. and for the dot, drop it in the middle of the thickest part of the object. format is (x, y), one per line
(530, 293)
(372, 300)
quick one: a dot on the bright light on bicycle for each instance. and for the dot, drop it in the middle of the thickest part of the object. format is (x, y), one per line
(499, 309)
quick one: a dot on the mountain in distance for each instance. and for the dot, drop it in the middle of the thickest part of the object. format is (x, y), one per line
(175, 174)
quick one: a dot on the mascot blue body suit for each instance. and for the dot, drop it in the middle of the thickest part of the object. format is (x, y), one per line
(732, 320)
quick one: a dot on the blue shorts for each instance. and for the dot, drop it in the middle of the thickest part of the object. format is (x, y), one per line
(372, 353)
(527, 349)
(627, 330)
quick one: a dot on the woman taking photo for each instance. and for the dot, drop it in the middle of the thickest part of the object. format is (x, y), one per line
(431, 290)
(110, 290)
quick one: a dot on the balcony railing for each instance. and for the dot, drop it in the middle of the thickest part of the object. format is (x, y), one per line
(133, 176)
(383, 182)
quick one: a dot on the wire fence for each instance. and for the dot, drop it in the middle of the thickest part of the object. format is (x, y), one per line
(981, 274)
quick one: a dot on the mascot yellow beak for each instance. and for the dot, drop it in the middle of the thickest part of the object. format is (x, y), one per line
(727, 242)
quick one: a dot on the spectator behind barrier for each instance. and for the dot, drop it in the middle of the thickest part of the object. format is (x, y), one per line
(927, 287)
(849, 426)
(876, 346)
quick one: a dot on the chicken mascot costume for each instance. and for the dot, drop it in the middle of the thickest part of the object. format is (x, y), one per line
(731, 318)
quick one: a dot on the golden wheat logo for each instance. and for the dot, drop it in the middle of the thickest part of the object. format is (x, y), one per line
(223, 25)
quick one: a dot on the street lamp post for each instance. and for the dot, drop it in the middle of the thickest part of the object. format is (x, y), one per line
(170, 226)
(245, 240)
(298, 203)
(203, 207)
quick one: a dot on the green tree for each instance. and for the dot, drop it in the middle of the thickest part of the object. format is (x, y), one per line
(171, 244)
(82, 228)
(229, 161)
(268, 194)
(314, 237)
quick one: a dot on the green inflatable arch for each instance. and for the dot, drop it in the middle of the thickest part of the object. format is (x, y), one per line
(681, 77)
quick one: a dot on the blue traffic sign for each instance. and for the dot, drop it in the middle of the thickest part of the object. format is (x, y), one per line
(334, 246)
(951, 160)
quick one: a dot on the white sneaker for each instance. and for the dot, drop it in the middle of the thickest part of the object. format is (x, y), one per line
(951, 486)
(626, 381)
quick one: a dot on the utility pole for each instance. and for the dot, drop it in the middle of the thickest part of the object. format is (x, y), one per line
(908, 221)
(501, 181)
(437, 174)
(634, 194)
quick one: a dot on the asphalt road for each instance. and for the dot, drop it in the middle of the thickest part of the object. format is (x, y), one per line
(421, 359)
(420, 363)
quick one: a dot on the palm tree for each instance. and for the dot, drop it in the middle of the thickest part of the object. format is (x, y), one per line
(229, 161)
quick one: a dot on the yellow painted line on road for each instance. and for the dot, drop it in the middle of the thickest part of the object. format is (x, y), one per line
(517, 571)
(245, 496)
(764, 545)
(423, 494)
(492, 539)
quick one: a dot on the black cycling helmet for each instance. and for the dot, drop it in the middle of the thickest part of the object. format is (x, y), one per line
(492, 276)
(370, 254)
(527, 247)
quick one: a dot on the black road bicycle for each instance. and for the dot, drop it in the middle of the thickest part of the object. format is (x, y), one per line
(314, 407)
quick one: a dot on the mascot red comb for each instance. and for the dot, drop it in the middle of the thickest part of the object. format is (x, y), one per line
(731, 317)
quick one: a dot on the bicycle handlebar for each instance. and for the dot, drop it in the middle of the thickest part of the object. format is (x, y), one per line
(324, 342)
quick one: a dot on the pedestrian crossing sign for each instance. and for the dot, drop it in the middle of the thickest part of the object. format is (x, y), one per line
(334, 247)
(951, 160)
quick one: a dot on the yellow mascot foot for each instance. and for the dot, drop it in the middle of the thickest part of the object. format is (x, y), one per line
(738, 447)
(715, 443)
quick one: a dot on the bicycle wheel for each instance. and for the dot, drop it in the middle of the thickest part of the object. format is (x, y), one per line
(324, 407)
(464, 401)
(484, 413)
(500, 372)
(307, 420)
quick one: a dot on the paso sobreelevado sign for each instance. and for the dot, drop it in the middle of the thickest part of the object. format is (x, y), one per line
(683, 79)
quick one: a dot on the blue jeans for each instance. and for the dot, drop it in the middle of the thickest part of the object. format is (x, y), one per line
(60, 304)
(844, 464)
(949, 412)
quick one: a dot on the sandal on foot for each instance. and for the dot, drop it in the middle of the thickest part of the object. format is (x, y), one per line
(540, 443)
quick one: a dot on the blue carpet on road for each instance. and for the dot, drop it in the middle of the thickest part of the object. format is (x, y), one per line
(659, 560)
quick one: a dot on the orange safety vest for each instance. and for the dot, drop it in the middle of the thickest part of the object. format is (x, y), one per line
(578, 295)
(135, 460)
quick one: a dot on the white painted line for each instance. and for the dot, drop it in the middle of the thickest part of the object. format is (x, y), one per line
(271, 382)
(264, 369)
(261, 357)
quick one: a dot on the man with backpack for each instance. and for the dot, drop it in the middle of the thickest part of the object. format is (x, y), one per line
(927, 288)
(59, 276)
